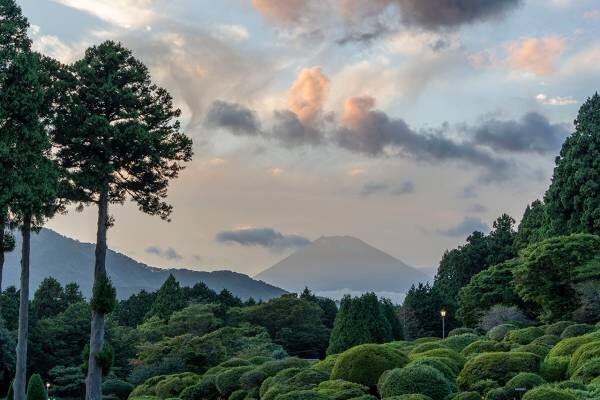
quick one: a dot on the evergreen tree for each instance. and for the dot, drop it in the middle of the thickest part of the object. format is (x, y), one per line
(131, 312)
(532, 226)
(501, 240)
(228, 299)
(9, 308)
(118, 136)
(572, 198)
(359, 320)
(389, 312)
(169, 299)
(36, 389)
(420, 313)
(49, 299)
(73, 294)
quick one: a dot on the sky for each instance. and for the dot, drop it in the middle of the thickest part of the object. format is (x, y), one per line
(405, 123)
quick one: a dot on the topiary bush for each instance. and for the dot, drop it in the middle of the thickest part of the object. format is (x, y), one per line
(548, 340)
(437, 364)
(499, 332)
(484, 386)
(577, 330)
(364, 364)
(454, 360)
(228, 381)
(253, 378)
(525, 335)
(203, 390)
(341, 390)
(485, 346)
(584, 353)
(500, 367)
(412, 396)
(537, 349)
(273, 367)
(117, 388)
(427, 339)
(467, 396)
(326, 365)
(525, 380)
(554, 369)
(459, 342)
(587, 372)
(557, 328)
(36, 389)
(461, 331)
(421, 379)
(548, 393)
(568, 346)
(498, 394)
(423, 347)
(302, 395)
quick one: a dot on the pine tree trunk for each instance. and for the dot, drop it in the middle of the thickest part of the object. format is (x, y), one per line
(21, 368)
(1, 256)
(93, 382)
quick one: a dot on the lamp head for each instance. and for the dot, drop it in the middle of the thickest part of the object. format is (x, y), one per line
(443, 313)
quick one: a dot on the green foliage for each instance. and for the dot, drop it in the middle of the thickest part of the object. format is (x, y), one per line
(557, 328)
(132, 312)
(412, 396)
(420, 379)
(10, 393)
(461, 331)
(437, 364)
(537, 349)
(36, 390)
(169, 299)
(289, 381)
(459, 342)
(525, 335)
(525, 380)
(359, 320)
(497, 394)
(584, 353)
(104, 296)
(451, 358)
(117, 388)
(253, 378)
(205, 389)
(294, 323)
(554, 369)
(67, 382)
(364, 364)
(566, 347)
(571, 199)
(49, 299)
(421, 312)
(543, 276)
(546, 340)
(326, 365)
(275, 366)
(485, 346)
(228, 381)
(8, 343)
(548, 393)
(500, 367)
(532, 225)
(166, 386)
(484, 386)
(195, 319)
(587, 371)
(467, 396)
(577, 330)
(341, 390)
(499, 332)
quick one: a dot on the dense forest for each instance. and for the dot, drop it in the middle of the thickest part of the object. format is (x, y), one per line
(521, 304)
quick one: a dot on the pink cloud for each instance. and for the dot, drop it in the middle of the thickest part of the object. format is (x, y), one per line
(281, 11)
(535, 55)
(307, 94)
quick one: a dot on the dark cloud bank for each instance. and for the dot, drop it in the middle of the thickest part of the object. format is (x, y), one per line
(262, 237)
(168, 253)
(465, 228)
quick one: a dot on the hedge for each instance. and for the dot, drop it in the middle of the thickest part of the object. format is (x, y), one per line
(253, 378)
(500, 367)
(273, 367)
(423, 347)
(117, 388)
(412, 396)
(483, 386)
(577, 330)
(459, 342)
(364, 364)
(420, 379)
(548, 393)
(525, 335)
(36, 389)
(302, 395)
(467, 396)
(526, 380)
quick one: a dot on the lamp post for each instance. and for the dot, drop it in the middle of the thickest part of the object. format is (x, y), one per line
(443, 314)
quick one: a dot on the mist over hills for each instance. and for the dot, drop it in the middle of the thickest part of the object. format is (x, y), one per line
(68, 260)
(336, 265)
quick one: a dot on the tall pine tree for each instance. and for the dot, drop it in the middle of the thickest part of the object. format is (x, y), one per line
(118, 137)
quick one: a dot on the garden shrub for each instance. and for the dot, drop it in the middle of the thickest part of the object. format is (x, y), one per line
(568, 346)
(548, 393)
(326, 365)
(557, 328)
(537, 349)
(117, 388)
(570, 385)
(461, 331)
(36, 389)
(228, 381)
(421, 379)
(454, 360)
(548, 340)
(498, 394)
(485, 346)
(427, 339)
(273, 367)
(341, 390)
(412, 396)
(234, 362)
(259, 360)
(364, 364)
(290, 380)
(500, 367)
(437, 364)
(577, 330)
(252, 378)
(554, 369)
(526, 380)
(203, 390)
(239, 394)
(583, 354)
(467, 396)
(307, 377)
(459, 342)
(423, 347)
(173, 385)
(587, 372)
(483, 386)
(499, 332)
(525, 335)
(302, 395)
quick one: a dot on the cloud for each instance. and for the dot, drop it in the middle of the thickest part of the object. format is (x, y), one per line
(234, 33)
(465, 228)
(289, 130)
(308, 94)
(535, 55)
(168, 254)
(234, 117)
(281, 11)
(555, 101)
(123, 13)
(592, 14)
(435, 14)
(531, 134)
(262, 237)
(375, 188)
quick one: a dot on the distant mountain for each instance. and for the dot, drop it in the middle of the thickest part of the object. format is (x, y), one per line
(333, 266)
(69, 260)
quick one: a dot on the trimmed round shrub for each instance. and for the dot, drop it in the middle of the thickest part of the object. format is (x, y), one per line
(340, 389)
(364, 364)
(273, 367)
(412, 396)
(302, 395)
(548, 340)
(239, 394)
(484, 386)
(461, 331)
(421, 379)
(259, 360)
(497, 394)
(326, 365)
(307, 377)
(437, 364)
(537, 349)
(500, 367)
(525, 335)
(172, 385)
(228, 381)
(423, 347)
(485, 346)
(117, 388)
(203, 390)
(583, 354)
(587, 372)
(548, 393)
(571, 385)
(454, 360)
(557, 328)
(568, 346)
(253, 378)
(467, 396)
(498, 332)
(427, 339)
(235, 362)
(554, 369)
(36, 389)
(459, 342)
(576, 330)
(525, 380)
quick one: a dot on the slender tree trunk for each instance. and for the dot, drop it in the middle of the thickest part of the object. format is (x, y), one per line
(1, 256)
(21, 368)
(93, 382)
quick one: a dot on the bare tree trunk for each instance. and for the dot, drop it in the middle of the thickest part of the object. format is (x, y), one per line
(93, 381)
(21, 368)
(1, 254)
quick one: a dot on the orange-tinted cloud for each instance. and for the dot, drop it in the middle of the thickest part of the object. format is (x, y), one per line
(352, 9)
(281, 10)
(307, 94)
(356, 109)
(535, 55)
